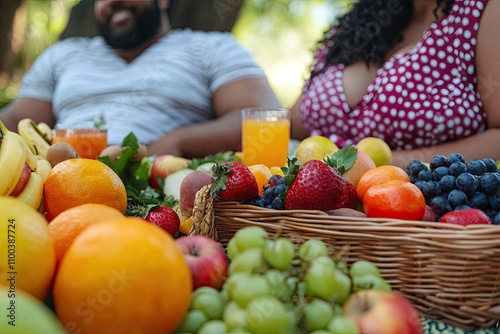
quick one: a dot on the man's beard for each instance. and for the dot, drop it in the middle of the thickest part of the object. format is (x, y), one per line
(147, 24)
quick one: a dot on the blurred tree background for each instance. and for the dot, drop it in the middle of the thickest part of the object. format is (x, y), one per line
(281, 34)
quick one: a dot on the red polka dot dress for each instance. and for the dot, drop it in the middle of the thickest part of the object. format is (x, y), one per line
(424, 97)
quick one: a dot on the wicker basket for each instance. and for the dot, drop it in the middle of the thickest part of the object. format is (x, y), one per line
(450, 274)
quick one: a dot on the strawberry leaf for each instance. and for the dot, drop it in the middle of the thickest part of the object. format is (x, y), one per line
(343, 159)
(220, 178)
(290, 173)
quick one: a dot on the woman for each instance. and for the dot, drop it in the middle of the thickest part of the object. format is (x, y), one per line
(422, 75)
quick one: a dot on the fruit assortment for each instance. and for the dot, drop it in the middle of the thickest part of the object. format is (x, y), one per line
(275, 287)
(314, 185)
(453, 184)
(272, 285)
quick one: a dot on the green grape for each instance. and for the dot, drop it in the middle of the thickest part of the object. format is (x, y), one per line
(278, 289)
(341, 324)
(318, 314)
(223, 294)
(213, 326)
(337, 309)
(342, 266)
(232, 249)
(234, 316)
(362, 268)
(369, 282)
(210, 303)
(239, 330)
(293, 318)
(247, 261)
(250, 288)
(321, 331)
(203, 290)
(319, 278)
(266, 314)
(279, 254)
(343, 286)
(312, 249)
(381, 285)
(192, 322)
(250, 237)
(231, 282)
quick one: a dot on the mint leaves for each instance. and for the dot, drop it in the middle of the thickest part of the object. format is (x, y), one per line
(343, 159)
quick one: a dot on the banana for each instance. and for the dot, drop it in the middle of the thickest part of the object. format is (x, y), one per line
(30, 157)
(46, 131)
(12, 159)
(33, 136)
(43, 168)
(33, 192)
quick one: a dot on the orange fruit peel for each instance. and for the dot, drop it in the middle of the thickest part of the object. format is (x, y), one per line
(396, 199)
(262, 174)
(379, 175)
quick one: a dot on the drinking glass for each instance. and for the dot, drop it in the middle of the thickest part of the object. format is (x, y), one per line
(89, 143)
(265, 136)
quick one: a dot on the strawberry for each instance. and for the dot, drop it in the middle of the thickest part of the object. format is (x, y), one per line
(466, 217)
(233, 181)
(349, 198)
(317, 186)
(166, 218)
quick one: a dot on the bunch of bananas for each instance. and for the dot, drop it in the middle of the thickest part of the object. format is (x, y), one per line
(23, 167)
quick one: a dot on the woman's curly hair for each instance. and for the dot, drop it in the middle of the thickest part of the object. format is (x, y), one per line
(370, 30)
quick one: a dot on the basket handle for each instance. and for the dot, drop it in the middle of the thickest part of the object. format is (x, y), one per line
(203, 215)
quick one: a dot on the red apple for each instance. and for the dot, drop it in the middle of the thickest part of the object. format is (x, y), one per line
(165, 165)
(382, 312)
(23, 180)
(190, 185)
(206, 260)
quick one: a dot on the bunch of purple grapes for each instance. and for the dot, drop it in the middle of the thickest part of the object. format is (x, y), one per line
(452, 184)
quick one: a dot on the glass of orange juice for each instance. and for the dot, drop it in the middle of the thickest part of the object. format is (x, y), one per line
(265, 136)
(89, 143)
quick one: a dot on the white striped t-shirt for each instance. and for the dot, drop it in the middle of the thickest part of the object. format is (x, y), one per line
(169, 85)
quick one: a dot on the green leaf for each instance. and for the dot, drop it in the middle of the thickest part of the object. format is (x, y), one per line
(343, 159)
(130, 144)
(217, 158)
(220, 178)
(290, 172)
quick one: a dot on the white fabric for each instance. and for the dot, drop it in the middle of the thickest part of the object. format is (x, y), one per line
(168, 86)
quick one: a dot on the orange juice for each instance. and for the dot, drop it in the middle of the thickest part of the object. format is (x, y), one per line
(89, 143)
(265, 139)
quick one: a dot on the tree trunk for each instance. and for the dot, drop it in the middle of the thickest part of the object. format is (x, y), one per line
(212, 15)
(7, 9)
(81, 21)
(208, 15)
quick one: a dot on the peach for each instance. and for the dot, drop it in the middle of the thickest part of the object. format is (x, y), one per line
(362, 164)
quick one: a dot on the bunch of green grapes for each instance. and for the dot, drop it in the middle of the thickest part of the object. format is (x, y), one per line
(273, 287)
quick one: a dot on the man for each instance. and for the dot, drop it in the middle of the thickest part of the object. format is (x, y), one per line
(179, 91)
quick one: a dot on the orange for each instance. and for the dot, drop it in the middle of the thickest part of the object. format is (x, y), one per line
(186, 224)
(78, 181)
(27, 249)
(122, 276)
(262, 174)
(379, 175)
(394, 199)
(70, 223)
(275, 170)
